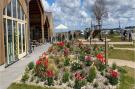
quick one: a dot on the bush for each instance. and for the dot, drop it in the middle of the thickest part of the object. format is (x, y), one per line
(65, 77)
(114, 66)
(50, 81)
(79, 84)
(25, 77)
(76, 66)
(113, 81)
(92, 74)
(31, 65)
(100, 66)
(66, 61)
(122, 70)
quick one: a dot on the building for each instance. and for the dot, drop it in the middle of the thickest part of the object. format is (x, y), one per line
(14, 30)
(50, 26)
(21, 22)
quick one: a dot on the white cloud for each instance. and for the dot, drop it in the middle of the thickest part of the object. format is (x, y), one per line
(74, 14)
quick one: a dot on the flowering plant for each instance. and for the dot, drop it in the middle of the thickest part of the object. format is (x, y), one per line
(113, 73)
(61, 44)
(88, 60)
(66, 52)
(50, 76)
(113, 77)
(79, 80)
(41, 66)
(76, 66)
(101, 58)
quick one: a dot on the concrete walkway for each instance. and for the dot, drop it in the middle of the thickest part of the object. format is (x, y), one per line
(132, 49)
(122, 62)
(11, 73)
(111, 43)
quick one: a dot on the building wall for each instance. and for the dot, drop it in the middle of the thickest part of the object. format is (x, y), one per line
(3, 4)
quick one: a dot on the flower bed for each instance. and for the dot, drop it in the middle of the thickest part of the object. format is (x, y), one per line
(72, 67)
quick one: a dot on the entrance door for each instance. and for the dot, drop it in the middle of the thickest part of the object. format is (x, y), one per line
(22, 40)
(10, 41)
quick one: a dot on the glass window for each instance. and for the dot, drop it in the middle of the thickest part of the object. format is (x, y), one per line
(5, 38)
(10, 40)
(23, 34)
(9, 9)
(14, 8)
(4, 11)
(18, 10)
(20, 39)
(20, 13)
(23, 15)
(15, 39)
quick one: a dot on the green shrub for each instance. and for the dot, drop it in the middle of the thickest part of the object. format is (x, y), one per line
(81, 58)
(50, 81)
(31, 65)
(92, 74)
(65, 77)
(25, 77)
(113, 80)
(100, 66)
(122, 70)
(114, 66)
(79, 84)
(66, 61)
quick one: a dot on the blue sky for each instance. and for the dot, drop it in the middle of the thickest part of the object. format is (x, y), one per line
(77, 14)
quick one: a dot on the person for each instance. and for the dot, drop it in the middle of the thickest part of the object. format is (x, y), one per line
(125, 34)
(129, 36)
(74, 35)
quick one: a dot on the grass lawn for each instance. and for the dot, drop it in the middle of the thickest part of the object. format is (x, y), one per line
(127, 79)
(125, 46)
(25, 86)
(121, 54)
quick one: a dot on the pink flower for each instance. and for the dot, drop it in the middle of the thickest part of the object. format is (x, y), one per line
(78, 76)
(87, 58)
(66, 51)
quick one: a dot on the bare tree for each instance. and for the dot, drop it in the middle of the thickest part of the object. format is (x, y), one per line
(99, 11)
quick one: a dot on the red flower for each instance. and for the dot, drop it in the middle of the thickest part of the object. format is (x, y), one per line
(113, 74)
(50, 73)
(38, 62)
(101, 58)
(78, 76)
(46, 62)
(60, 44)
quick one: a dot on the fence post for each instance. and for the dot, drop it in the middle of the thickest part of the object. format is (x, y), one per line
(106, 50)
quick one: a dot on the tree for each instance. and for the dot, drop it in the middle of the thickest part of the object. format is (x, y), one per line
(99, 11)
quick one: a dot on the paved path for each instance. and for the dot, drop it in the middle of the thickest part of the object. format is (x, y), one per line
(122, 62)
(10, 74)
(120, 43)
(132, 49)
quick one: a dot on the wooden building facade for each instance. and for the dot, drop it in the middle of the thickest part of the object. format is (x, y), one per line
(21, 21)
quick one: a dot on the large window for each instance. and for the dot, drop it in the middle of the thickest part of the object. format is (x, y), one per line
(9, 9)
(14, 31)
(14, 8)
